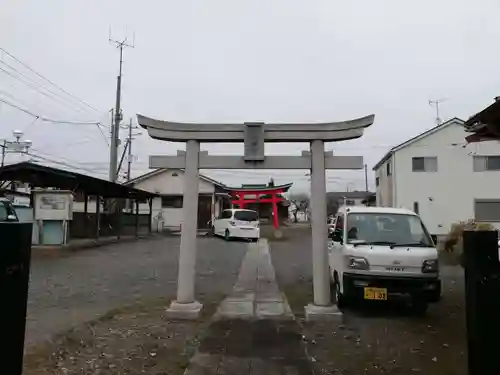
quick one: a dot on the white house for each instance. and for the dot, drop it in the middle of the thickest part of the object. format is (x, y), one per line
(169, 184)
(441, 177)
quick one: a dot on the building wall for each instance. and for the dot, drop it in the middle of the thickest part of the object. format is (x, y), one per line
(171, 182)
(384, 188)
(446, 196)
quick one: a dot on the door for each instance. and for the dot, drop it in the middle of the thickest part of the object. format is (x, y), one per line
(222, 223)
(336, 247)
(204, 211)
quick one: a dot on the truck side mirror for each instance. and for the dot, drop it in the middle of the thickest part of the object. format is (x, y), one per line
(337, 235)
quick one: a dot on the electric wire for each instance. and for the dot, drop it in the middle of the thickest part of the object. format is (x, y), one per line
(51, 82)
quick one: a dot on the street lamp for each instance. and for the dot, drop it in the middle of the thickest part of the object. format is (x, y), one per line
(17, 146)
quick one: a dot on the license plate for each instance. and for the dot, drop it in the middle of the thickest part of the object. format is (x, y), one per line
(395, 269)
(379, 294)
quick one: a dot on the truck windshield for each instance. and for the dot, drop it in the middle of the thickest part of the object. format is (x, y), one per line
(387, 228)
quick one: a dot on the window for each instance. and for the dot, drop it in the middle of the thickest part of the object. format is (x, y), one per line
(226, 214)
(487, 210)
(415, 207)
(246, 215)
(171, 201)
(339, 222)
(388, 168)
(424, 164)
(377, 181)
(486, 163)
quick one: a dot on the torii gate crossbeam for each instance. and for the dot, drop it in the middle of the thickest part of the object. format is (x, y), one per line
(254, 135)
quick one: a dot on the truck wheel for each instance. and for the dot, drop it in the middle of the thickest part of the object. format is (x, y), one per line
(340, 299)
(419, 305)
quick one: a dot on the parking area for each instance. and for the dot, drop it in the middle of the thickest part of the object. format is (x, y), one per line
(67, 291)
(375, 339)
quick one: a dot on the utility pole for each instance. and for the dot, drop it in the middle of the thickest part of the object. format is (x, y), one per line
(128, 150)
(366, 178)
(436, 103)
(115, 127)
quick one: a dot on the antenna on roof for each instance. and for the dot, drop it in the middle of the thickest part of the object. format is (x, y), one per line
(435, 103)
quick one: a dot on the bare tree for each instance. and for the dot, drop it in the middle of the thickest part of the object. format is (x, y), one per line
(301, 203)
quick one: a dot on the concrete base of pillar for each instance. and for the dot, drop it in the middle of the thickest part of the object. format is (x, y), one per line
(185, 311)
(321, 313)
(278, 234)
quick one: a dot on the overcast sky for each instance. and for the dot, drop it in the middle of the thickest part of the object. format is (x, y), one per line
(236, 60)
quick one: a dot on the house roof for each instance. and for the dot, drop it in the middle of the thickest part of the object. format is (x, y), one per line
(159, 171)
(43, 176)
(484, 125)
(418, 137)
(256, 188)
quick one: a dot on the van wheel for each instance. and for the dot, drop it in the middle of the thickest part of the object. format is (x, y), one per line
(226, 235)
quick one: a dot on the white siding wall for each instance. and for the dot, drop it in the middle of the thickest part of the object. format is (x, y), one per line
(384, 190)
(166, 183)
(446, 196)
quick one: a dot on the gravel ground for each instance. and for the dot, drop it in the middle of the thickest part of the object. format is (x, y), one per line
(374, 339)
(132, 340)
(68, 291)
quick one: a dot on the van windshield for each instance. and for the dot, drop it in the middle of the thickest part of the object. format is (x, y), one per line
(387, 228)
(246, 215)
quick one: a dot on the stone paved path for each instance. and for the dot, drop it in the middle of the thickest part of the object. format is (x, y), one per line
(253, 331)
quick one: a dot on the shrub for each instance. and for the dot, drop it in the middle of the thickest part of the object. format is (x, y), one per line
(453, 241)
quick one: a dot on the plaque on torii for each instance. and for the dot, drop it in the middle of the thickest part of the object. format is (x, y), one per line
(254, 135)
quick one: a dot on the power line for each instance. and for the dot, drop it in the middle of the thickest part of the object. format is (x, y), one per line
(57, 162)
(49, 81)
(52, 97)
(46, 119)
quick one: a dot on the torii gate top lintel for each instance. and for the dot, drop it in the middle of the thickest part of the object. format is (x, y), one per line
(272, 132)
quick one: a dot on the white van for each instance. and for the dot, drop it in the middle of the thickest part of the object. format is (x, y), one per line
(381, 253)
(237, 223)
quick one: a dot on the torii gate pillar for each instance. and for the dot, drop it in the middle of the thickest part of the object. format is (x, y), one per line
(253, 135)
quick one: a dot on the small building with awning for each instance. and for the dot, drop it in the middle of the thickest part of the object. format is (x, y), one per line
(97, 204)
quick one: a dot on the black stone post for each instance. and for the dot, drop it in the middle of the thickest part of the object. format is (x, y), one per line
(15, 255)
(482, 291)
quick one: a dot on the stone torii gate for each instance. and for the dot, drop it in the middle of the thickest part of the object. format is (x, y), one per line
(253, 135)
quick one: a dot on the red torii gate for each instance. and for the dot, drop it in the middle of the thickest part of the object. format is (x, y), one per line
(239, 197)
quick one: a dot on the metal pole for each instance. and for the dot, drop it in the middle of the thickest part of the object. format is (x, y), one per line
(4, 150)
(129, 169)
(187, 257)
(321, 282)
(366, 178)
